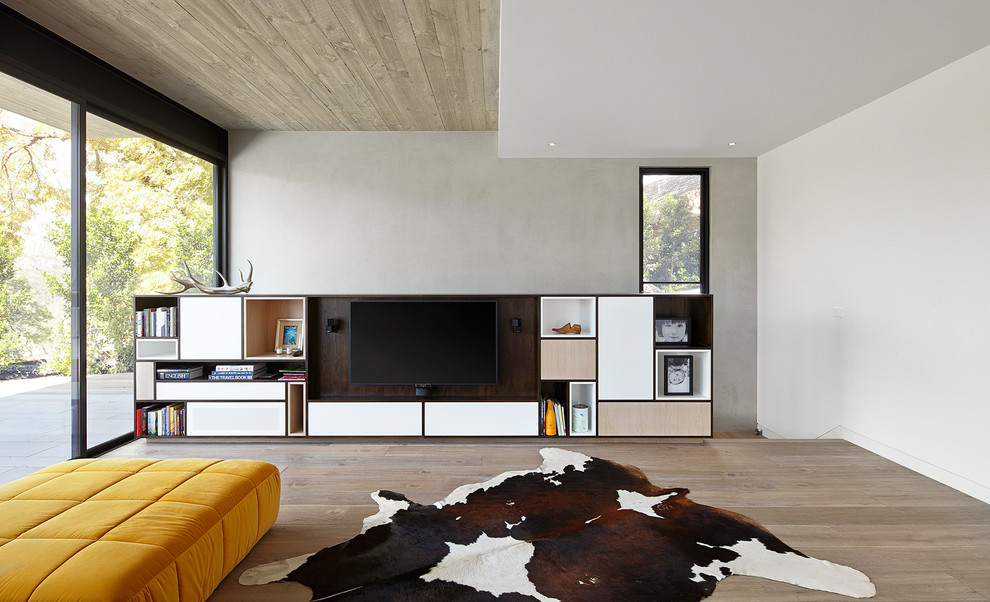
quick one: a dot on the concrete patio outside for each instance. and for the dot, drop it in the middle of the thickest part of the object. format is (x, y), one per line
(36, 419)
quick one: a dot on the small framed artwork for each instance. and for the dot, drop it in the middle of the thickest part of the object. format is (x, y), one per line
(677, 375)
(289, 334)
(673, 331)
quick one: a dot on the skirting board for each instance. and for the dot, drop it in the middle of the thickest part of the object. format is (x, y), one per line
(970, 488)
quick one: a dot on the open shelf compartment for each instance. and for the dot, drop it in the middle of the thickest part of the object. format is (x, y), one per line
(701, 374)
(558, 311)
(261, 316)
(582, 394)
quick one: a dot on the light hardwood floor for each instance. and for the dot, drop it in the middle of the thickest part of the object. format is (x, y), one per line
(915, 538)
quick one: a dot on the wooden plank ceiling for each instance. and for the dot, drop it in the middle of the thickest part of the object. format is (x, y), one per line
(370, 65)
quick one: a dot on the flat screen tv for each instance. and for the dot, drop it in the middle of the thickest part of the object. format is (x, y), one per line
(424, 342)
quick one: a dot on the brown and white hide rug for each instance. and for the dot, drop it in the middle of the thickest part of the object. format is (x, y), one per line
(576, 528)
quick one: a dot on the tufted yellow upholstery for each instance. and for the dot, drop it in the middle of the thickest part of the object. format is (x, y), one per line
(132, 529)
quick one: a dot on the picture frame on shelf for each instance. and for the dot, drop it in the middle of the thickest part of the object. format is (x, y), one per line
(289, 335)
(673, 331)
(678, 375)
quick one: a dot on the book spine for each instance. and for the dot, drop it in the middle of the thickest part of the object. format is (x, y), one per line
(236, 368)
(174, 376)
(162, 314)
(233, 373)
(229, 377)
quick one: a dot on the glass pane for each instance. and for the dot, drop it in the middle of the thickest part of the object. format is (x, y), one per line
(148, 207)
(671, 230)
(35, 403)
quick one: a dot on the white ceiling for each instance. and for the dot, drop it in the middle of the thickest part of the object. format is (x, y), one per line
(683, 78)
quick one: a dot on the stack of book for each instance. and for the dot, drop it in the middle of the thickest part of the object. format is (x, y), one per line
(155, 322)
(179, 372)
(238, 371)
(160, 420)
(292, 373)
(553, 421)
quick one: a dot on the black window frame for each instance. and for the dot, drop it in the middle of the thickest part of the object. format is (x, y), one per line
(705, 175)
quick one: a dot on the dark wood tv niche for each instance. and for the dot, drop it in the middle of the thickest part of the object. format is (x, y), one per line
(518, 379)
(253, 365)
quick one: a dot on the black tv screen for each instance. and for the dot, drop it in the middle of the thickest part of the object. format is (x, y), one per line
(424, 342)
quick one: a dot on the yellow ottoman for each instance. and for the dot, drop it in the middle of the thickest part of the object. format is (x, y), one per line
(132, 529)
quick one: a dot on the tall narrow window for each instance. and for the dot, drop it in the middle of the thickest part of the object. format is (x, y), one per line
(674, 236)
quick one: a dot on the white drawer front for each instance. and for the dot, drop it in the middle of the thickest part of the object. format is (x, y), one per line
(482, 418)
(204, 389)
(367, 419)
(221, 418)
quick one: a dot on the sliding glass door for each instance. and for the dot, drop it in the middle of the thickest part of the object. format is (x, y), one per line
(84, 227)
(35, 392)
(149, 208)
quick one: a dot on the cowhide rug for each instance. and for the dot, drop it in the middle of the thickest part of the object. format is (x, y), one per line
(576, 528)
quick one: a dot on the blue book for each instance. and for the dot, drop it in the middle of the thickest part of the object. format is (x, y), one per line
(175, 376)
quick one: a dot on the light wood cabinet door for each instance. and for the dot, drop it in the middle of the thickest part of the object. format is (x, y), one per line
(625, 348)
(656, 419)
(567, 360)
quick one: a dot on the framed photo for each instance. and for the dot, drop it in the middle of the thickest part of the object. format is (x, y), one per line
(678, 371)
(289, 334)
(673, 331)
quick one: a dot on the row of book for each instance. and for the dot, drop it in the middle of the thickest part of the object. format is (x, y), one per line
(291, 373)
(161, 420)
(230, 372)
(156, 322)
(554, 418)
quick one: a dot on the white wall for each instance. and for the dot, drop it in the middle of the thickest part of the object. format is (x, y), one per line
(884, 213)
(436, 213)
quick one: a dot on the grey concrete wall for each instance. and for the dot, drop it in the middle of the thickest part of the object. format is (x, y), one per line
(441, 213)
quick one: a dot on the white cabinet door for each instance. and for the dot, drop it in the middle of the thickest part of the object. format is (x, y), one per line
(625, 348)
(474, 418)
(222, 418)
(210, 328)
(365, 418)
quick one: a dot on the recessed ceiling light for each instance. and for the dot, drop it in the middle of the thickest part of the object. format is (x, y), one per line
(552, 145)
(732, 144)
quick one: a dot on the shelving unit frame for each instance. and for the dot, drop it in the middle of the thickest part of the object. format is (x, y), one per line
(532, 362)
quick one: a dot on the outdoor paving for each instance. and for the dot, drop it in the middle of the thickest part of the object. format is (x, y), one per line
(36, 419)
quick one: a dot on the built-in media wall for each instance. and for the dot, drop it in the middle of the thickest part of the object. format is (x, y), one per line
(582, 366)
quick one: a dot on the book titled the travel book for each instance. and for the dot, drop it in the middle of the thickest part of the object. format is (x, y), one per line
(179, 372)
(237, 371)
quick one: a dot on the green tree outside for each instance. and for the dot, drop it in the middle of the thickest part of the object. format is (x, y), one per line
(149, 206)
(671, 242)
(28, 182)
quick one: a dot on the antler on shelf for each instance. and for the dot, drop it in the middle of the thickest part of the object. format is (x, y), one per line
(191, 282)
